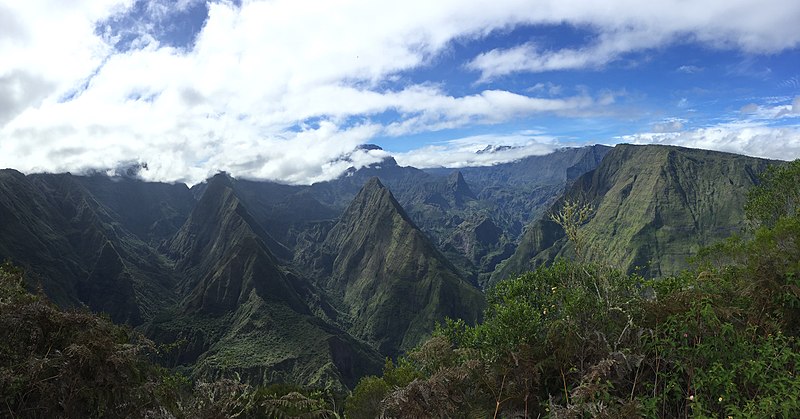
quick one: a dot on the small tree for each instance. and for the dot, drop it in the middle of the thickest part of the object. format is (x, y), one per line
(571, 217)
(777, 196)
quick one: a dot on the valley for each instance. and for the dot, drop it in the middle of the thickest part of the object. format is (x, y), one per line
(316, 285)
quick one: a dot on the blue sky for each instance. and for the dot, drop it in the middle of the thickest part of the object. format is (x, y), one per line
(287, 89)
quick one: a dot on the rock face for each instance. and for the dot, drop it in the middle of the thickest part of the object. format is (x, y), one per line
(654, 207)
(74, 248)
(152, 211)
(241, 310)
(389, 277)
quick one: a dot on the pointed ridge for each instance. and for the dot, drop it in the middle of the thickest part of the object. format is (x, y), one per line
(218, 208)
(378, 254)
(372, 183)
(375, 198)
(221, 178)
(459, 186)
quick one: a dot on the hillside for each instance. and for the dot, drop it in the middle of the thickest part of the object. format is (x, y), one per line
(388, 277)
(317, 284)
(241, 311)
(653, 208)
(77, 251)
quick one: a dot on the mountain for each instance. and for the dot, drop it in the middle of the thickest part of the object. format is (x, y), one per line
(442, 203)
(241, 310)
(507, 196)
(653, 207)
(558, 167)
(317, 284)
(387, 277)
(152, 211)
(75, 249)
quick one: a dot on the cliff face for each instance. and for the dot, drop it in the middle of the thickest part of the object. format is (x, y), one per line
(241, 310)
(77, 251)
(389, 277)
(654, 206)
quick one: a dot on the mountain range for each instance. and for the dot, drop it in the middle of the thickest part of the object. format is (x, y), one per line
(317, 284)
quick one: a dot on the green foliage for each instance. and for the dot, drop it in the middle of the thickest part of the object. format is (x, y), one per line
(576, 340)
(571, 217)
(543, 333)
(75, 364)
(777, 196)
(69, 364)
(365, 400)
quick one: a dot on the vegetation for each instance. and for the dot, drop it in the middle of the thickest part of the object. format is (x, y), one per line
(571, 217)
(572, 339)
(75, 364)
(653, 208)
(578, 339)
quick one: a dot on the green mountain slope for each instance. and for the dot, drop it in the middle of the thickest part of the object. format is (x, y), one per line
(507, 196)
(654, 206)
(557, 167)
(241, 311)
(152, 211)
(75, 249)
(389, 277)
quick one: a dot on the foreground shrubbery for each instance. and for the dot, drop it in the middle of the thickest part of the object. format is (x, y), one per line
(75, 364)
(577, 340)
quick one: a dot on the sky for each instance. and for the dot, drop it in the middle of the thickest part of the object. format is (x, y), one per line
(287, 90)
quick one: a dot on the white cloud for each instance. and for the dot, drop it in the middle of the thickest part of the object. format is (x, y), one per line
(530, 58)
(281, 89)
(550, 88)
(689, 69)
(669, 125)
(235, 100)
(748, 138)
(465, 152)
(47, 48)
(780, 109)
(624, 26)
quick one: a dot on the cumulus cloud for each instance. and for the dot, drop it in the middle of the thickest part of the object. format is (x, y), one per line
(780, 109)
(282, 89)
(669, 125)
(749, 138)
(467, 151)
(258, 94)
(622, 27)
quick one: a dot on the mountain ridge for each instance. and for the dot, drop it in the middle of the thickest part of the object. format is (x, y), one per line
(317, 284)
(648, 202)
(389, 276)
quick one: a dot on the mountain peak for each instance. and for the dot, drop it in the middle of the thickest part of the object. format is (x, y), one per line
(390, 277)
(368, 147)
(374, 182)
(459, 186)
(375, 200)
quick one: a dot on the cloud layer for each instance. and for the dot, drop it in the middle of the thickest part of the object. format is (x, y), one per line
(284, 89)
(752, 139)
(479, 150)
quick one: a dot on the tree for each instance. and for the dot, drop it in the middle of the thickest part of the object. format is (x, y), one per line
(777, 195)
(571, 217)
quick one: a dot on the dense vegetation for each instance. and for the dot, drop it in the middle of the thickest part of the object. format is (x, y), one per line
(653, 209)
(75, 364)
(580, 339)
